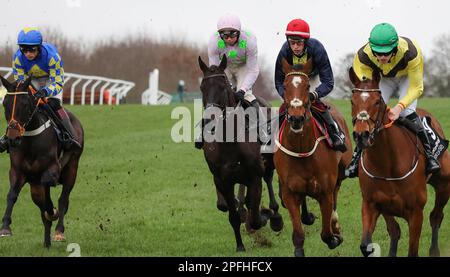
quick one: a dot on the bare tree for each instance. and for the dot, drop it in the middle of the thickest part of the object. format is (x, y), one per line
(437, 69)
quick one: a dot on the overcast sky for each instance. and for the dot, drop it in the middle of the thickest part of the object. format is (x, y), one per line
(341, 25)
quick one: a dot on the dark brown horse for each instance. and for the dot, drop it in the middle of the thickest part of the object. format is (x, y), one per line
(234, 161)
(37, 159)
(392, 170)
(306, 165)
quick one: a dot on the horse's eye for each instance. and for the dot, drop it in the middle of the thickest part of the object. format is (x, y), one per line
(351, 102)
(377, 103)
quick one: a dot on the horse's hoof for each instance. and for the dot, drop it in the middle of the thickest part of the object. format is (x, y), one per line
(365, 251)
(435, 252)
(240, 248)
(53, 217)
(5, 232)
(222, 207)
(299, 252)
(308, 219)
(276, 222)
(335, 241)
(59, 237)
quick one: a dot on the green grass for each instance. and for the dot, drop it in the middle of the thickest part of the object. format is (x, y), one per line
(140, 194)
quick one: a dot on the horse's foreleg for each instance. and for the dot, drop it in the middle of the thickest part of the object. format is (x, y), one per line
(394, 233)
(233, 217)
(442, 193)
(16, 184)
(254, 199)
(276, 221)
(415, 228)
(38, 196)
(68, 177)
(335, 217)
(326, 209)
(307, 217)
(48, 179)
(369, 220)
(293, 202)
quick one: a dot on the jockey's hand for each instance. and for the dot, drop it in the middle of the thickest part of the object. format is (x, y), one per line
(313, 96)
(394, 113)
(40, 93)
(240, 95)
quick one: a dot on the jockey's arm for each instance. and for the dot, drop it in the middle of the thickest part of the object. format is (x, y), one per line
(279, 74)
(213, 51)
(18, 71)
(56, 72)
(415, 76)
(325, 72)
(252, 68)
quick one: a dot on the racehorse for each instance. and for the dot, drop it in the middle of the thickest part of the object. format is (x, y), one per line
(305, 165)
(37, 158)
(392, 170)
(236, 161)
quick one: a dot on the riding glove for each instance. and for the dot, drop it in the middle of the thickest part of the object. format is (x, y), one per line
(40, 93)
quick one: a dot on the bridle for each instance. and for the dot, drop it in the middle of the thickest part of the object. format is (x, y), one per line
(297, 103)
(14, 124)
(365, 117)
(222, 75)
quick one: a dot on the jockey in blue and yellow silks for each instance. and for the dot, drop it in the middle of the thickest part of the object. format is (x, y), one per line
(399, 61)
(42, 62)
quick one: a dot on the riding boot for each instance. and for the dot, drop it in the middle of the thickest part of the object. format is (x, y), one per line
(67, 125)
(336, 135)
(352, 169)
(432, 163)
(4, 144)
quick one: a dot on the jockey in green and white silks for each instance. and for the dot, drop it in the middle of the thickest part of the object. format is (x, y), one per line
(240, 48)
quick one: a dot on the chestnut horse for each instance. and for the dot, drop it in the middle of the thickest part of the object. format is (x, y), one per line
(236, 161)
(36, 158)
(392, 170)
(306, 165)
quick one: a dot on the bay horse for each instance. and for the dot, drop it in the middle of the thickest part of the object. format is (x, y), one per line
(392, 170)
(305, 165)
(37, 158)
(236, 161)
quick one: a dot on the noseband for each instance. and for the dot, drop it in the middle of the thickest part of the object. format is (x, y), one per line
(365, 117)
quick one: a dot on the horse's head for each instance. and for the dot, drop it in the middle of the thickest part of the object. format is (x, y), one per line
(215, 87)
(19, 105)
(368, 108)
(296, 99)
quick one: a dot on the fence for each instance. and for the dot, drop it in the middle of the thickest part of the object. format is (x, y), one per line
(109, 91)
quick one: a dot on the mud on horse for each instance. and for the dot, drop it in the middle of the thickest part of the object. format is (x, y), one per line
(37, 158)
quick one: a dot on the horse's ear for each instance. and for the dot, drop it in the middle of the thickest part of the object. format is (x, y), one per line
(9, 87)
(353, 78)
(223, 63)
(285, 66)
(202, 65)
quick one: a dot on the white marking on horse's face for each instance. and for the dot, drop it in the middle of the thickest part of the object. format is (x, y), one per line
(365, 96)
(296, 81)
(363, 116)
(297, 131)
(296, 103)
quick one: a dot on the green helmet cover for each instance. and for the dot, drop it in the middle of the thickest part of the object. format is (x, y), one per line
(383, 38)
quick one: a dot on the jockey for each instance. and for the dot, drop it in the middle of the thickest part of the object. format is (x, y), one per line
(42, 61)
(399, 60)
(241, 50)
(298, 49)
